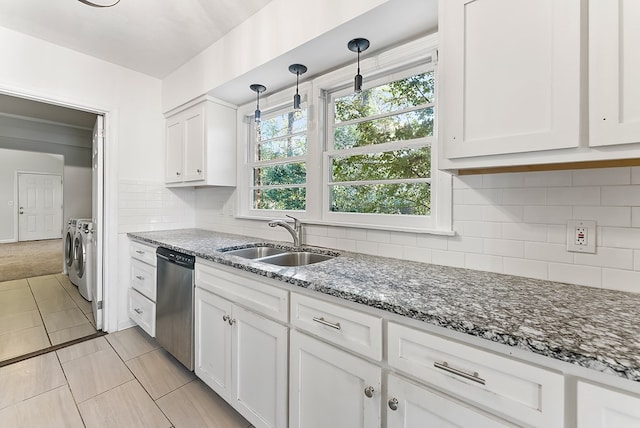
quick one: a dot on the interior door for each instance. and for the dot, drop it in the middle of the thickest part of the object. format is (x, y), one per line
(40, 206)
(96, 238)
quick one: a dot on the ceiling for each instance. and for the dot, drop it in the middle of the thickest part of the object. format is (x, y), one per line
(154, 37)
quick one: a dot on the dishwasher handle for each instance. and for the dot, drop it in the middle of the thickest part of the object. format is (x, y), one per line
(176, 258)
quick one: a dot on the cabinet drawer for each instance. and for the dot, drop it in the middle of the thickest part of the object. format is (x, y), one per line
(145, 253)
(512, 388)
(143, 278)
(356, 331)
(143, 312)
(254, 294)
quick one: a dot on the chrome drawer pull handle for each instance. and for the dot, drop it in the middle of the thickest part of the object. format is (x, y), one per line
(139, 252)
(138, 311)
(226, 318)
(368, 391)
(327, 323)
(140, 277)
(471, 376)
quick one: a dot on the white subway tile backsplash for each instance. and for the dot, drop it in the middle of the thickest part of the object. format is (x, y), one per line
(336, 232)
(366, 247)
(447, 258)
(467, 181)
(465, 244)
(621, 196)
(531, 196)
(573, 196)
(483, 262)
(478, 229)
(390, 250)
(604, 216)
(416, 254)
(378, 236)
(547, 252)
(618, 258)
(557, 234)
(547, 179)
(502, 213)
(525, 232)
(576, 274)
(435, 242)
(356, 234)
(620, 237)
(636, 259)
(635, 217)
(523, 267)
(467, 213)
(601, 176)
(346, 244)
(400, 238)
(321, 241)
(547, 215)
(635, 175)
(503, 247)
(623, 280)
(477, 196)
(496, 181)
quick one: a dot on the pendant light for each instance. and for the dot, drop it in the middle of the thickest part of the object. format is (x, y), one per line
(358, 45)
(90, 3)
(298, 69)
(258, 89)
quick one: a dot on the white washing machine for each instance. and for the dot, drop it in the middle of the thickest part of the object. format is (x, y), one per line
(83, 258)
(69, 236)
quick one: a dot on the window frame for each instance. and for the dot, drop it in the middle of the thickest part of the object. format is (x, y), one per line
(392, 62)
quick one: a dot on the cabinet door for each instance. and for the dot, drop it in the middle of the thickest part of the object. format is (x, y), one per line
(194, 141)
(174, 140)
(509, 76)
(259, 369)
(602, 408)
(614, 72)
(410, 406)
(327, 387)
(213, 341)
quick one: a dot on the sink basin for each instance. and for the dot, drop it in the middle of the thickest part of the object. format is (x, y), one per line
(256, 252)
(295, 258)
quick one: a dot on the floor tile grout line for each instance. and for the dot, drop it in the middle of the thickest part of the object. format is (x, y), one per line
(75, 403)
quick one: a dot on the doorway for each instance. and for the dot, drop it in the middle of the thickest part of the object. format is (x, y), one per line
(38, 311)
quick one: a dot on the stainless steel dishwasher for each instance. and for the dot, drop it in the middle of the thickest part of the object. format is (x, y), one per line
(174, 304)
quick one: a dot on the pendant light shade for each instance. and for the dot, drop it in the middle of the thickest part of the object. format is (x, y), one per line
(297, 69)
(100, 3)
(258, 89)
(358, 45)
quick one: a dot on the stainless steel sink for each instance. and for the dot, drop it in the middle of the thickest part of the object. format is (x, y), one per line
(295, 258)
(256, 252)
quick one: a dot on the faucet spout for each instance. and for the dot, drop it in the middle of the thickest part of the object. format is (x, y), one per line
(296, 231)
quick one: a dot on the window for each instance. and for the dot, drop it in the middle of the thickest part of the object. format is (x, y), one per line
(359, 160)
(279, 173)
(378, 152)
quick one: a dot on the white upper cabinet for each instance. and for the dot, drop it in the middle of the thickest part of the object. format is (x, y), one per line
(614, 72)
(201, 144)
(509, 76)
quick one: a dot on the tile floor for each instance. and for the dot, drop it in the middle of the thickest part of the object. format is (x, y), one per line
(38, 312)
(122, 379)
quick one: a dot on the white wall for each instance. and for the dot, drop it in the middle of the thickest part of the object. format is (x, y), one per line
(11, 162)
(509, 223)
(268, 34)
(134, 135)
(77, 192)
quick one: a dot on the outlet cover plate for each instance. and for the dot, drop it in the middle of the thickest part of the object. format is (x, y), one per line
(581, 236)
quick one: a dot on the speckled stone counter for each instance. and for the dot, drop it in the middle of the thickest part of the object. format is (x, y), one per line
(590, 327)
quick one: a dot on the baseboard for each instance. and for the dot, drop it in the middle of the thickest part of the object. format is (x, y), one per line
(7, 241)
(126, 324)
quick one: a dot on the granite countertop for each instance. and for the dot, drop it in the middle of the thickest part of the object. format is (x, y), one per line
(590, 327)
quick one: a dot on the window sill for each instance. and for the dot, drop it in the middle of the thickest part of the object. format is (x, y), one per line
(359, 226)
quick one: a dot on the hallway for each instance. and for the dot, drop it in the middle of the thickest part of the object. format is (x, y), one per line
(30, 258)
(41, 311)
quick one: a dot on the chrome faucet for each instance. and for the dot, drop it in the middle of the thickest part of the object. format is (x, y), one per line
(295, 231)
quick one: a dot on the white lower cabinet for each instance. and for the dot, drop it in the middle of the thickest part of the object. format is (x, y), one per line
(412, 406)
(243, 357)
(329, 387)
(600, 407)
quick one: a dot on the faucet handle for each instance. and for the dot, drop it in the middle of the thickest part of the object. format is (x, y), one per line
(296, 222)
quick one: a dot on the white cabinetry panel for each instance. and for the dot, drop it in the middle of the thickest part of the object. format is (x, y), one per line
(603, 408)
(614, 72)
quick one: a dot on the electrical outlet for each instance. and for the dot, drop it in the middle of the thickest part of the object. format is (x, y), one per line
(581, 236)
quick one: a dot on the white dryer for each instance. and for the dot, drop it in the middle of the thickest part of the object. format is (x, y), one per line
(69, 236)
(83, 258)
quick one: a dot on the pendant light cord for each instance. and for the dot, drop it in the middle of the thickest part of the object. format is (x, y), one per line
(88, 3)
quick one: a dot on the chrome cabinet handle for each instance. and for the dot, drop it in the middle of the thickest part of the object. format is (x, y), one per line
(138, 311)
(140, 277)
(368, 391)
(198, 171)
(232, 321)
(226, 318)
(393, 404)
(322, 321)
(178, 173)
(471, 376)
(139, 251)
